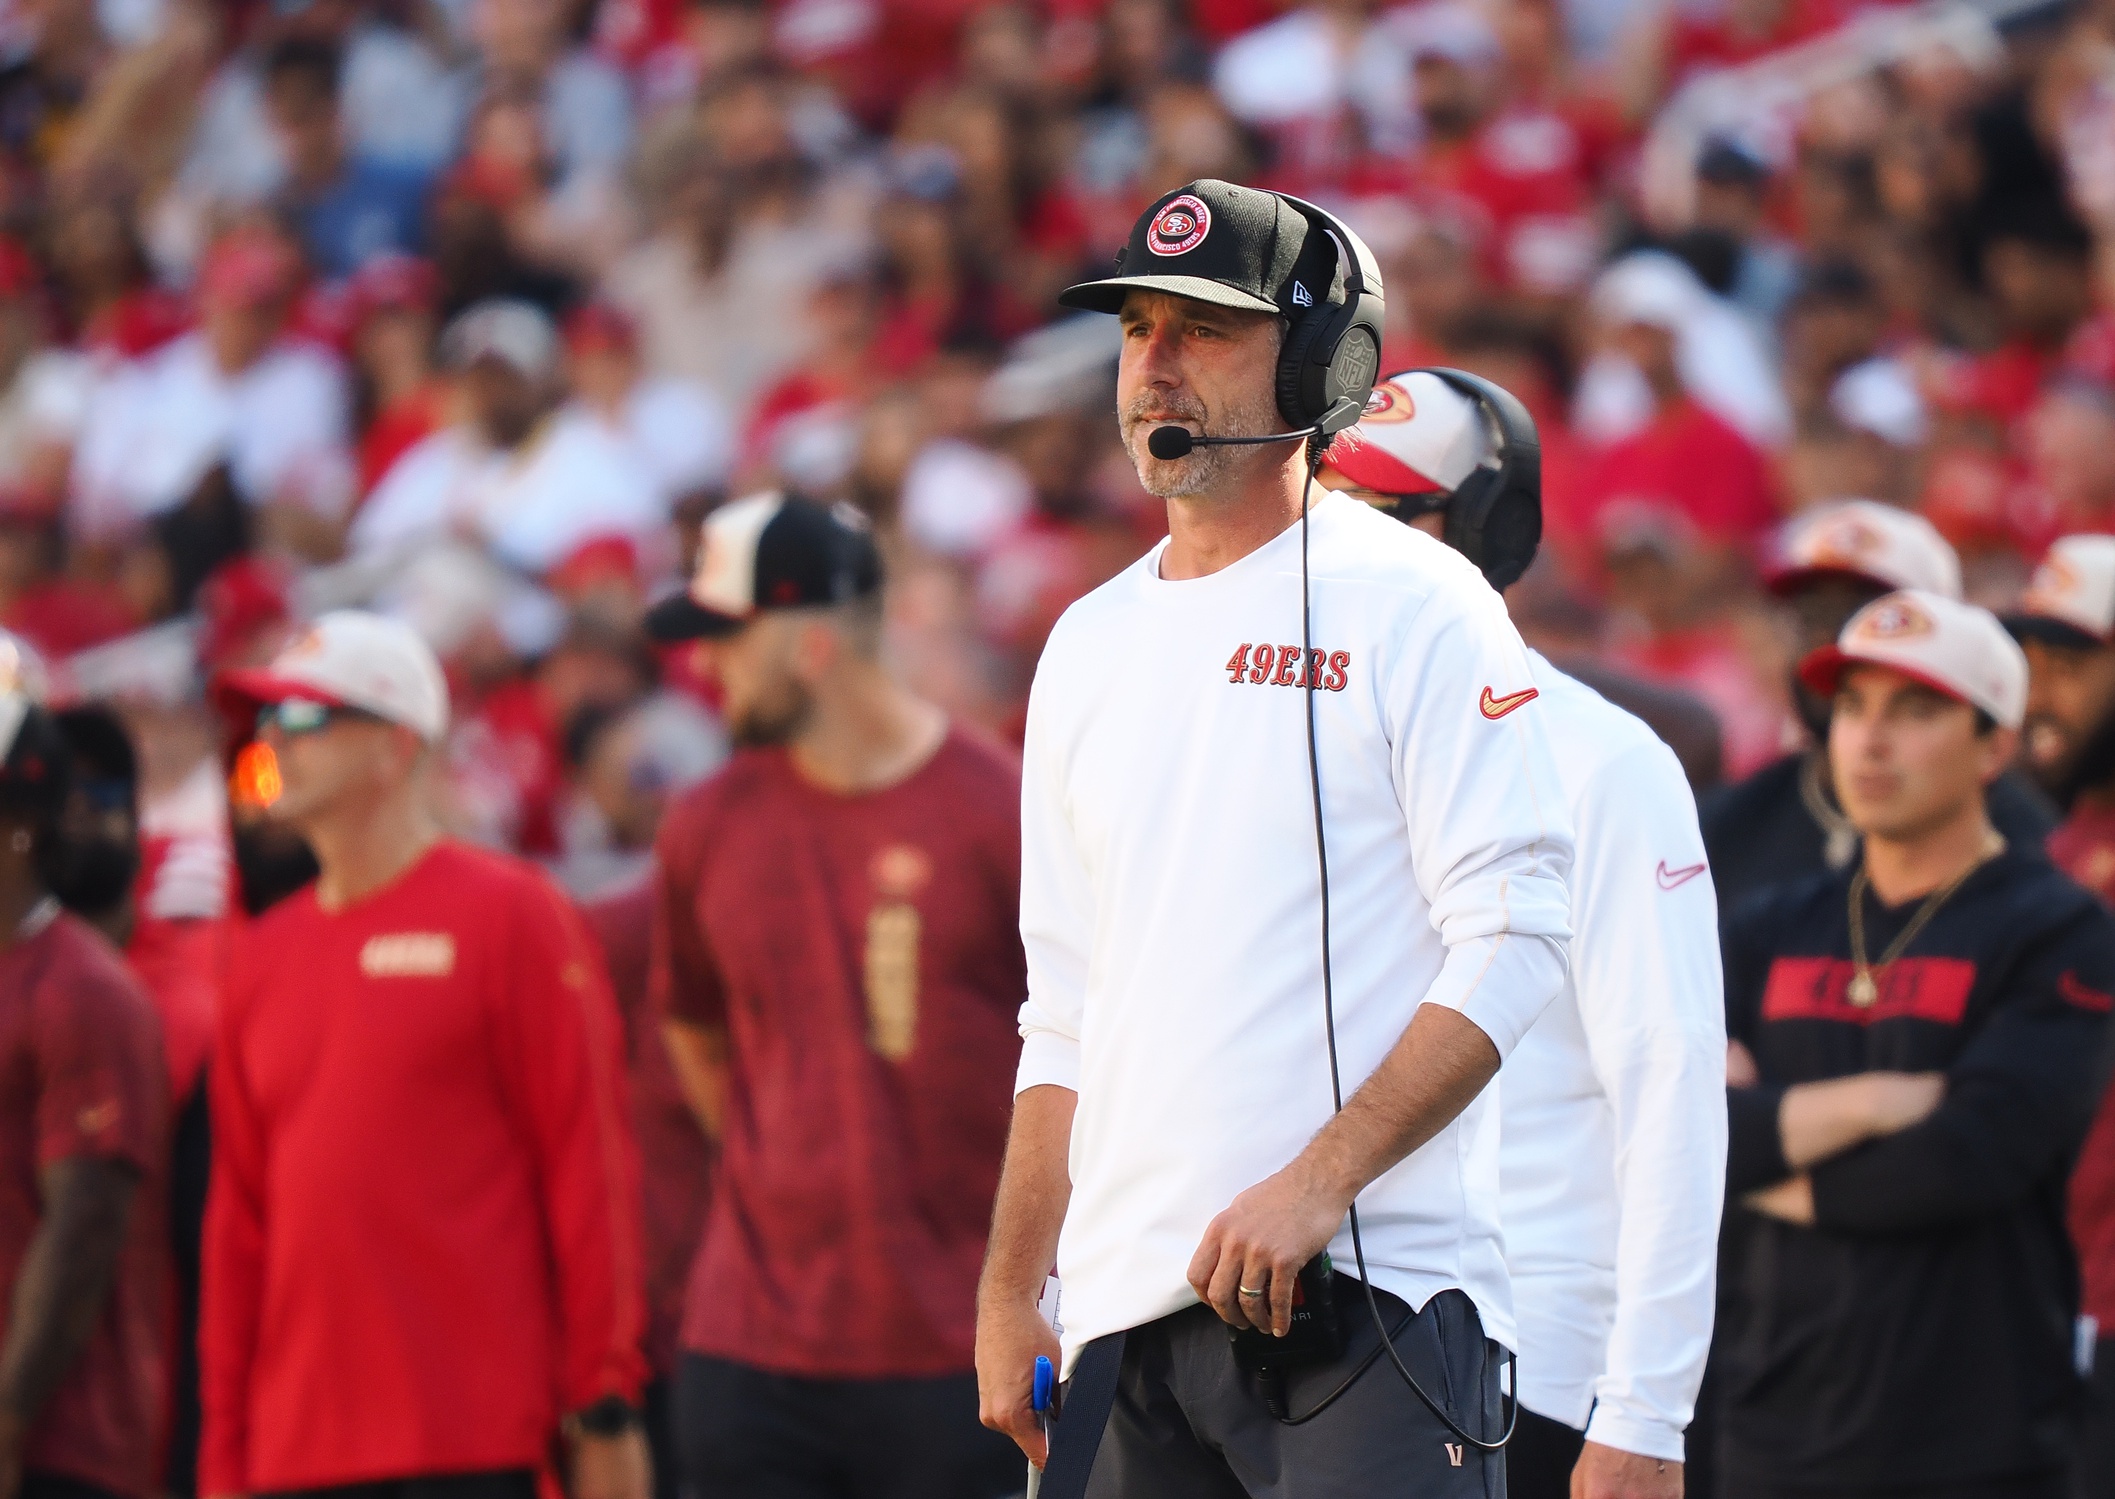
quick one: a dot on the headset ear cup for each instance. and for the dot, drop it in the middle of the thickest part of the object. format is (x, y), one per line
(1300, 337)
(1468, 510)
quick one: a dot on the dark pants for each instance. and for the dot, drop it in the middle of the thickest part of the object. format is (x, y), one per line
(1189, 1423)
(2093, 1475)
(657, 1403)
(749, 1434)
(1540, 1458)
(510, 1483)
(190, 1167)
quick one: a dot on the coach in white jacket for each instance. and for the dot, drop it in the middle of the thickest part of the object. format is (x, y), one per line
(1173, 1144)
(1613, 1106)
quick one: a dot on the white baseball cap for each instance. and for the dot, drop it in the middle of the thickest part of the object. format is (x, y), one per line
(1950, 647)
(1419, 435)
(1880, 544)
(2070, 600)
(518, 334)
(1650, 288)
(350, 658)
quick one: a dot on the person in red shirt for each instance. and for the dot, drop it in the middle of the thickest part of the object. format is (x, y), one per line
(83, 1138)
(422, 1244)
(2066, 624)
(675, 1158)
(837, 951)
(1686, 458)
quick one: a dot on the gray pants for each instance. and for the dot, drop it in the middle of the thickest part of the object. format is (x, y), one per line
(1189, 1423)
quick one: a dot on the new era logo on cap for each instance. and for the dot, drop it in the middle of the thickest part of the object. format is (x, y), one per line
(770, 551)
(2070, 600)
(1949, 646)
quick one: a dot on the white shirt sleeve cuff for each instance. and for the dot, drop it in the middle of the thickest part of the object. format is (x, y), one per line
(1047, 1057)
(1643, 1435)
(1501, 983)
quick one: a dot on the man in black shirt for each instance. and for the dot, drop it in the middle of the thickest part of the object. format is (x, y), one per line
(1784, 821)
(1916, 1040)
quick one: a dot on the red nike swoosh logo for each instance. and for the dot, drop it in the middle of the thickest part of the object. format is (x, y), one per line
(1499, 707)
(1671, 879)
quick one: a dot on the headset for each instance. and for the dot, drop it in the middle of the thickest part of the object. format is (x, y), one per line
(1330, 358)
(1325, 376)
(1495, 518)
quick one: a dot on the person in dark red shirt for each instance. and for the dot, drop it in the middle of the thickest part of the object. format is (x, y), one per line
(83, 1136)
(837, 950)
(422, 1244)
(675, 1158)
(2066, 624)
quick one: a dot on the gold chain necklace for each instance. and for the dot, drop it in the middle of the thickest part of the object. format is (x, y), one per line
(1865, 988)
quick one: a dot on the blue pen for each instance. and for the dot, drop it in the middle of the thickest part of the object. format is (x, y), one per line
(1039, 1400)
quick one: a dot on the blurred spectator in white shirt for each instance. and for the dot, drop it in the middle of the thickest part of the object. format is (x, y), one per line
(1302, 77)
(750, 228)
(679, 429)
(530, 480)
(241, 394)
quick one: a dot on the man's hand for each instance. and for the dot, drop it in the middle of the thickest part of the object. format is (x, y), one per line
(1818, 1120)
(1261, 1242)
(1896, 1100)
(1790, 1201)
(615, 1467)
(1612, 1473)
(1008, 1339)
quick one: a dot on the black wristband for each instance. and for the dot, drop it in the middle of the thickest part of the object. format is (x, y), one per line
(611, 1416)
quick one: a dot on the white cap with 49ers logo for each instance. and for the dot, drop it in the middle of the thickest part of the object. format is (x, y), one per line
(2070, 600)
(1419, 435)
(1881, 544)
(350, 658)
(1950, 647)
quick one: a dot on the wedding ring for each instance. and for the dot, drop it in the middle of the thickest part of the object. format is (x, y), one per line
(1250, 1291)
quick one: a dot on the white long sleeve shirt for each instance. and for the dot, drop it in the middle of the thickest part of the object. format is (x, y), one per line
(1170, 898)
(1614, 1104)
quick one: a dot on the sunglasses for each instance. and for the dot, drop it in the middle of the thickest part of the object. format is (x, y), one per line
(295, 716)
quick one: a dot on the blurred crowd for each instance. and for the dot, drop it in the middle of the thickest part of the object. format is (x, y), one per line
(470, 309)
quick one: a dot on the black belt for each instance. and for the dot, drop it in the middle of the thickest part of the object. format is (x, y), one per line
(1076, 1436)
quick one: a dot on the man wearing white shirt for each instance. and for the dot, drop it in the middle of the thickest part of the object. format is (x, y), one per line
(1613, 1105)
(529, 480)
(240, 393)
(1174, 1141)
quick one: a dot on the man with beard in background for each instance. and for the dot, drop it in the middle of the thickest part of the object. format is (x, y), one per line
(2066, 624)
(1783, 822)
(836, 951)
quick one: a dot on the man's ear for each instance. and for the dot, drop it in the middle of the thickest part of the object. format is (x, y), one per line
(816, 648)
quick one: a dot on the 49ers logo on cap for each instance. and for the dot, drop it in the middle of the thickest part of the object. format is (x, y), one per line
(2052, 585)
(1893, 619)
(1849, 540)
(1389, 403)
(1180, 226)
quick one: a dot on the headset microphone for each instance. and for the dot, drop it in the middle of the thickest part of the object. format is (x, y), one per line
(1169, 443)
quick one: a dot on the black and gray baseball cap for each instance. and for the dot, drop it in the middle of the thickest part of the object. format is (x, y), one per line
(770, 551)
(1221, 243)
